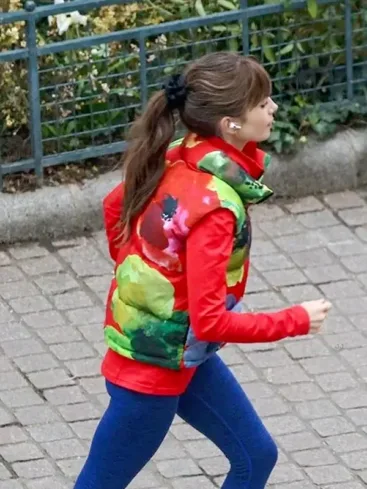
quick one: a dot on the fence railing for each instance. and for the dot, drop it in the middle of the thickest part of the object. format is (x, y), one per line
(83, 92)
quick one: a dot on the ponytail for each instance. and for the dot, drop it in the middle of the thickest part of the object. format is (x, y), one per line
(144, 160)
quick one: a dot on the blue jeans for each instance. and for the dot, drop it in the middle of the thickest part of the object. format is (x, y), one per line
(134, 426)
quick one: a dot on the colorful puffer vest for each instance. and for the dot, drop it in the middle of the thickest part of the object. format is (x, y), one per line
(149, 319)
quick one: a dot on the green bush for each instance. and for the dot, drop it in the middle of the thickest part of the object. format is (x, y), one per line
(90, 96)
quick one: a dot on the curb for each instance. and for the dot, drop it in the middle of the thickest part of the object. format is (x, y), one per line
(57, 212)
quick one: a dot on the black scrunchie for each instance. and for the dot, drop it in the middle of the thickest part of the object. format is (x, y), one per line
(176, 91)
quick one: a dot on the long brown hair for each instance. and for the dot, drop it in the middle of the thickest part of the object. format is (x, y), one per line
(217, 85)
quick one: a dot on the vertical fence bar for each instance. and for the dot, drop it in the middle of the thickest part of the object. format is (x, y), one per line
(245, 28)
(348, 26)
(143, 69)
(34, 91)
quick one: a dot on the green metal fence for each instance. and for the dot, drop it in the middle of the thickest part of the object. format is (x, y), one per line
(83, 92)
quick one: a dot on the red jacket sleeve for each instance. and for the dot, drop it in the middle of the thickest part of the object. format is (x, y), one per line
(112, 208)
(209, 247)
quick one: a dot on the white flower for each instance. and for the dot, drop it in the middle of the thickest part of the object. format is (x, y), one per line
(64, 21)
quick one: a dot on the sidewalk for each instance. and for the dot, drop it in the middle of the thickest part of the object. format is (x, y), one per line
(311, 392)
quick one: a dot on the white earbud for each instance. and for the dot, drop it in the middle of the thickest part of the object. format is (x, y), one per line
(234, 125)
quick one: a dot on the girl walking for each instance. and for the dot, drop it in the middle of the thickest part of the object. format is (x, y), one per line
(180, 234)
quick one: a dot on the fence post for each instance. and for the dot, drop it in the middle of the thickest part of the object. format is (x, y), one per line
(348, 26)
(245, 28)
(143, 70)
(34, 90)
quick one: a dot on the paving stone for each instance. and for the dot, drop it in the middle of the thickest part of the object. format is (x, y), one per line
(11, 380)
(89, 367)
(72, 300)
(263, 300)
(356, 460)
(305, 204)
(55, 482)
(24, 252)
(192, 483)
(146, 480)
(320, 365)
(317, 219)
(201, 449)
(20, 452)
(72, 351)
(21, 398)
(50, 378)
(36, 415)
(178, 468)
(266, 408)
(25, 305)
(298, 441)
(344, 200)
(289, 375)
(355, 263)
(358, 416)
(13, 331)
(35, 363)
(273, 261)
(170, 448)
(351, 399)
(11, 274)
(65, 395)
(80, 412)
(214, 466)
(345, 288)
(14, 290)
(306, 349)
(56, 283)
(185, 432)
(71, 467)
(325, 274)
(275, 358)
(231, 355)
(83, 316)
(280, 425)
(85, 429)
(315, 457)
(257, 390)
(66, 448)
(40, 266)
(33, 469)
(6, 417)
(5, 474)
(45, 319)
(284, 278)
(96, 385)
(4, 259)
(286, 473)
(354, 217)
(244, 373)
(11, 484)
(12, 434)
(344, 340)
(61, 334)
(347, 442)
(50, 432)
(305, 391)
(336, 425)
(328, 475)
(300, 293)
(317, 409)
(336, 381)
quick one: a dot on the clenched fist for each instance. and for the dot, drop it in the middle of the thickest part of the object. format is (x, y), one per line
(317, 311)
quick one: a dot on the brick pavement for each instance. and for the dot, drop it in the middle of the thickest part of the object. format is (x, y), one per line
(310, 392)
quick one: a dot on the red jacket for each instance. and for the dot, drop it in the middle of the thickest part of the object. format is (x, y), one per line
(208, 249)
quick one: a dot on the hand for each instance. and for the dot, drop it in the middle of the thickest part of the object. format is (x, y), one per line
(317, 311)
